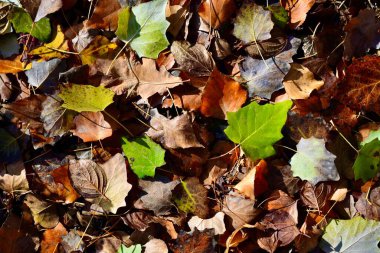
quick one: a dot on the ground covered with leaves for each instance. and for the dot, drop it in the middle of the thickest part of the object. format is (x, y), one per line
(189, 126)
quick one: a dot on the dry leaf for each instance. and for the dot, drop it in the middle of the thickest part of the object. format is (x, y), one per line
(91, 126)
(297, 10)
(216, 223)
(299, 82)
(217, 12)
(51, 238)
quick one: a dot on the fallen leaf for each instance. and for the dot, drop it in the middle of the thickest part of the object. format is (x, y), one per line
(278, 200)
(176, 15)
(105, 15)
(361, 89)
(44, 73)
(192, 197)
(52, 238)
(99, 47)
(356, 235)
(250, 122)
(13, 65)
(240, 210)
(195, 60)
(86, 97)
(368, 205)
(247, 185)
(156, 245)
(132, 249)
(297, 11)
(367, 163)
(104, 185)
(196, 242)
(143, 27)
(216, 12)
(362, 33)
(46, 7)
(173, 133)
(72, 242)
(144, 155)
(13, 178)
(265, 76)
(44, 213)
(299, 82)
(91, 126)
(49, 50)
(258, 21)
(158, 197)
(221, 95)
(216, 223)
(313, 162)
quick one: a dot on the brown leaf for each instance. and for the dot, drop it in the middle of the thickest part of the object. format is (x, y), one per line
(362, 33)
(197, 242)
(12, 65)
(221, 95)
(217, 12)
(13, 178)
(17, 235)
(156, 245)
(299, 82)
(176, 15)
(186, 97)
(247, 185)
(105, 15)
(240, 210)
(44, 213)
(51, 239)
(91, 126)
(216, 223)
(369, 205)
(361, 87)
(297, 10)
(277, 200)
(188, 162)
(308, 196)
(174, 133)
(195, 60)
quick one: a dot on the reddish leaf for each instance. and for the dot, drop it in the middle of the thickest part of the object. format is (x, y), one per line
(217, 12)
(297, 10)
(52, 238)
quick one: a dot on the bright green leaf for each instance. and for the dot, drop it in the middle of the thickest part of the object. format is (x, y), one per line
(144, 155)
(313, 162)
(253, 23)
(367, 163)
(355, 235)
(86, 98)
(257, 127)
(144, 28)
(133, 249)
(23, 23)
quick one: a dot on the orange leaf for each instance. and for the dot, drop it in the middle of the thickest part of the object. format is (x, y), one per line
(217, 12)
(297, 10)
(51, 239)
(221, 95)
(12, 66)
(91, 126)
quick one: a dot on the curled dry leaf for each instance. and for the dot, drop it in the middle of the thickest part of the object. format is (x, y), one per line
(222, 94)
(91, 126)
(217, 12)
(174, 133)
(299, 82)
(216, 223)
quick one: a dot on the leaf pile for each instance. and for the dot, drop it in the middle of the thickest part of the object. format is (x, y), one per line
(189, 126)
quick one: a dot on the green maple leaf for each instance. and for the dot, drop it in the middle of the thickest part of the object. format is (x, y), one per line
(355, 235)
(132, 249)
(23, 23)
(86, 98)
(367, 163)
(257, 127)
(144, 27)
(144, 155)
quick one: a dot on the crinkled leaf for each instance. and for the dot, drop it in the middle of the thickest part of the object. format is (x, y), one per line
(313, 162)
(88, 98)
(349, 236)
(144, 27)
(144, 155)
(257, 127)
(253, 23)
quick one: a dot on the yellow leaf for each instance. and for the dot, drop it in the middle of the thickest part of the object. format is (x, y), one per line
(13, 65)
(100, 47)
(54, 49)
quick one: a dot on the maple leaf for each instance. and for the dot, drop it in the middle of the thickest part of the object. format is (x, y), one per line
(361, 87)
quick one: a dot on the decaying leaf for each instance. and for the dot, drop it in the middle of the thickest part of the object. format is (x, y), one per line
(297, 11)
(52, 238)
(173, 133)
(13, 178)
(44, 213)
